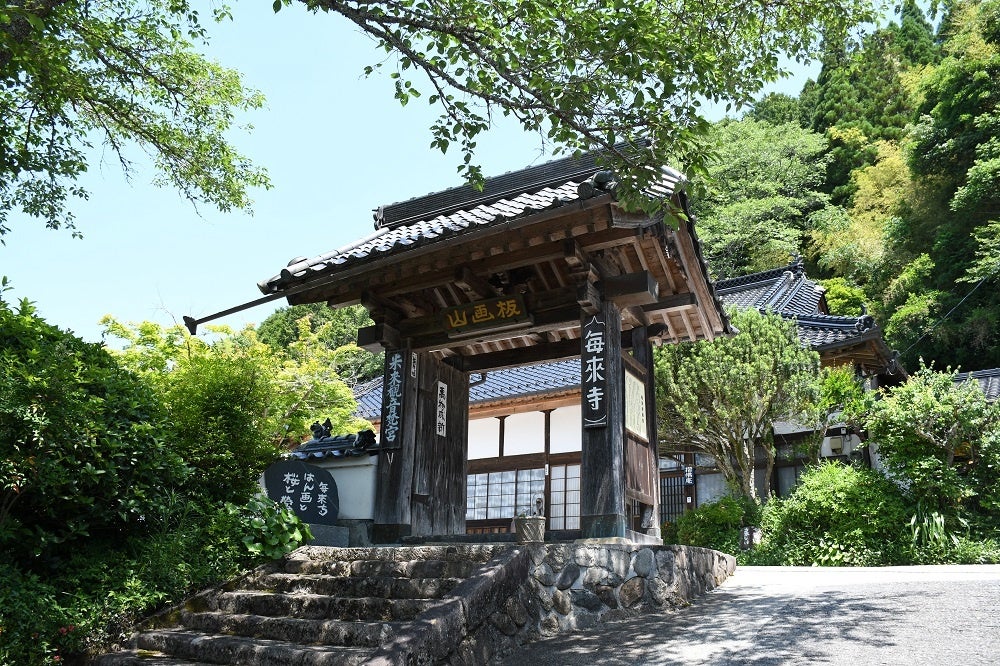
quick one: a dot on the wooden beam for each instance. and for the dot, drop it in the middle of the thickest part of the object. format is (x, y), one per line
(550, 351)
(675, 302)
(378, 337)
(631, 289)
(475, 287)
(589, 297)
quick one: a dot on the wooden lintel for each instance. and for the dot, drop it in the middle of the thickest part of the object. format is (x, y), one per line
(552, 351)
(631, 289)
(378, 337)
(507, 358)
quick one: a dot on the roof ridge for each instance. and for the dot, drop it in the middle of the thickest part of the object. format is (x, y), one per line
(495, 188)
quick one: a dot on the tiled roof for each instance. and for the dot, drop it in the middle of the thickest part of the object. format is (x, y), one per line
(525, 381)
(825, 330)
(444, 215)
(989, 380)
(786, 290)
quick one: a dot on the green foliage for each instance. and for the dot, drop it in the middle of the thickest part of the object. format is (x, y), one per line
(776, 109)
(218, 403)
(763, 184)
(843, 298)
(269, 529)
(838, 515)
(235, 402)
(82, 447)
(720, 398)
(930, 434)
(951, 216)
(589, 75)
(107, 586)
(334, 329)
(115, 72)
(717, 524)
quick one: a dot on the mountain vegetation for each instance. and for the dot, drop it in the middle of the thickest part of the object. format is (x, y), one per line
(894, 193)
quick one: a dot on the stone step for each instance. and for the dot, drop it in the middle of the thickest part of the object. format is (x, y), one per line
(314, 606)
(143, 658)
(291, 629)
(242, 651)
(356, 586)
(471, 552)
(429, 568)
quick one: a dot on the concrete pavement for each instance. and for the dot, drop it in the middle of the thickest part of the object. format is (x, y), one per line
(905, 616)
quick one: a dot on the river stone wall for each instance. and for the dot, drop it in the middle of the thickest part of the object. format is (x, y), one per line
(574, 586)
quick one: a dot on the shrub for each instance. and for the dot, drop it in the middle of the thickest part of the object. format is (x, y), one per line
(935, 436)
(269, 529)
(81, 449)
(837, 515)
(717, 524)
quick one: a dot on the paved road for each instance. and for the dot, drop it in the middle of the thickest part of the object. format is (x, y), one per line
(906, 616)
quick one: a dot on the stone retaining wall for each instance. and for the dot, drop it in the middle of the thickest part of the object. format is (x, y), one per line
(541, 590)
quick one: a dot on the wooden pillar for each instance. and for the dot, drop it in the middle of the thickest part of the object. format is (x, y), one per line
(420, 482)
(602, 470)
(394, 475)
(642, 351)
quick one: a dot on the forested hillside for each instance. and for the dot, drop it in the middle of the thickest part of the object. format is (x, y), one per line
(884, 173)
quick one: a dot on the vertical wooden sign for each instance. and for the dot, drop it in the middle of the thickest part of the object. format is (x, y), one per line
(393, 390)
(593, 373)
(442, 409)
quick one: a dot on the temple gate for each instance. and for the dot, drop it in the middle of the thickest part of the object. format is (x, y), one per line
(541, 264)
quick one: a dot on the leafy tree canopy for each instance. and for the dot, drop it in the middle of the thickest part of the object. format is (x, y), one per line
(720, 398)
(763, 188)
(233, 402)
(589, 75)
(118, 73)
(335, 329)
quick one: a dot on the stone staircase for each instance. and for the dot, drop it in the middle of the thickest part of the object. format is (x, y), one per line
(331, 606)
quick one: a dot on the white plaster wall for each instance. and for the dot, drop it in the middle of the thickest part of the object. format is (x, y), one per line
(565, 430)
(484, 438)
(355, 479)
(524, 433)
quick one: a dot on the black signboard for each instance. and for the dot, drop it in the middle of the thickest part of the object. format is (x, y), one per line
(593, 373)
(307, 490)
(689, 476)
(392, 399)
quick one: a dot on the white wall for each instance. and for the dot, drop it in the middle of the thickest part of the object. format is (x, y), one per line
(565, 430)
(484, 438)
(524, 433)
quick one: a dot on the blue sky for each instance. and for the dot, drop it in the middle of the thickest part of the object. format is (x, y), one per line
(336, 145)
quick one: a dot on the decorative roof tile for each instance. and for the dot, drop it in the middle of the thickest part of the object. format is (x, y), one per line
(786, 290)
